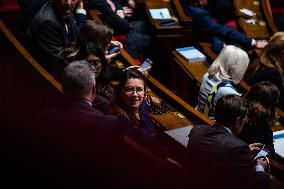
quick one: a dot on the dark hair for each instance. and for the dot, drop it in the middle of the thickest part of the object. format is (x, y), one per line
(93, 39)
(127, 74)
(271, 57)
(262, 99)
(229, 108)
(117, 105)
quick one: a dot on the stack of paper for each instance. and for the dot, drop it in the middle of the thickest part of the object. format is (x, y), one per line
(162, 13)
(180, 134)
(191, 54)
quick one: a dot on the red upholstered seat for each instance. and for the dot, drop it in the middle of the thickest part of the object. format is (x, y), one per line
(9, 12)
(232, 24)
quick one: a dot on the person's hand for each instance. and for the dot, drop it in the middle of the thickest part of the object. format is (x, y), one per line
(261, 44)
(132, 4)
(80, 5)
(111, 56)
(145, 71)
(262, 161)
(127, 11)
(120, 13)
(255, 146)
(116, 43)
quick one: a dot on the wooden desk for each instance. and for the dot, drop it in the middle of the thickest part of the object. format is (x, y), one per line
(171, 36)
(187, 77)
(194, 69)
(261, 29)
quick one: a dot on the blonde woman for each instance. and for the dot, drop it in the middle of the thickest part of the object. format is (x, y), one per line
(225, 72)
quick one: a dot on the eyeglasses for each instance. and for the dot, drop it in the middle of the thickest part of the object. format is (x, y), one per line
(131, 90)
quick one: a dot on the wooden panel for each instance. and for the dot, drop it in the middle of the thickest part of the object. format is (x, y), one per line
(25, 86)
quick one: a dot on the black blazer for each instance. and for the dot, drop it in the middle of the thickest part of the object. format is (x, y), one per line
(218, 159)
(48, 31)
(76, 146)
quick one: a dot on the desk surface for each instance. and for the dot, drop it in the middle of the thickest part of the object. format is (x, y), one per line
(195, 69)
(259, 30)
(156, 4)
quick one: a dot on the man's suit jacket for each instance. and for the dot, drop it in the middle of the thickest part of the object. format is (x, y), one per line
(218, 159)
(215, 32)
(76, 146)
(48, 31)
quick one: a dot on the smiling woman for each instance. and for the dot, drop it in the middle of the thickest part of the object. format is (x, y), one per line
(130, 101)
(129, 98)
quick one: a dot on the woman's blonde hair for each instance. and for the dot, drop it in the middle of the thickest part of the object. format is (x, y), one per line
(231, 64)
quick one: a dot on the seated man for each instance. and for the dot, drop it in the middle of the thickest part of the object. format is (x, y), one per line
(55, 26)
(216, 33)
(216, 158)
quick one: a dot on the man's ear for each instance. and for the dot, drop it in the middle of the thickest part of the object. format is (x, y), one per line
(94, 89)
(238, 126)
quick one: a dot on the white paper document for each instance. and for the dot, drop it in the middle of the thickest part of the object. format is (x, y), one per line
(180, 134)
(191, 54)
(162, 13)
(247, 12)
(278, 138)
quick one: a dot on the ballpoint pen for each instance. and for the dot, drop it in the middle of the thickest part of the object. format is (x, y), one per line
(161, 14)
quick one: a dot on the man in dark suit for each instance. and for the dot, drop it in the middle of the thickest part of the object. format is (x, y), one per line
(56, 25)
(216, 158)
(216, 33)
(76, 146)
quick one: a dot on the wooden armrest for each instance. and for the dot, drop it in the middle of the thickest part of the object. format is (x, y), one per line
(180, 12)
(206, 46)
(265, 8)
(94, 15)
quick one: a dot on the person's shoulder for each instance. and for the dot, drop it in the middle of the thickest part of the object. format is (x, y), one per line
(46, 14)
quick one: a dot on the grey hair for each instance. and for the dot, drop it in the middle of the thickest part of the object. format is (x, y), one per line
(231, 64)
(78, 78)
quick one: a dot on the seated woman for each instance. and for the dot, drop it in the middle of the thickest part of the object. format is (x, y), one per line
(269, 66)
(224, 73)
(130, 101)
(91, 45)
(262, 99)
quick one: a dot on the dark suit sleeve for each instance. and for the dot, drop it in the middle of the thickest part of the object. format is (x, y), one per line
(245, 171)
(47, 36)
(80, 20)
(109, 16)
(206, 24)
